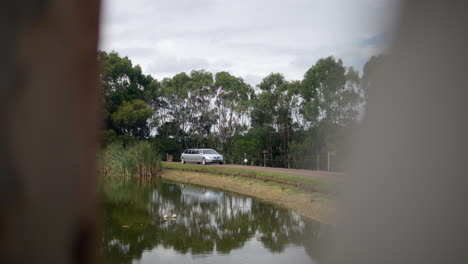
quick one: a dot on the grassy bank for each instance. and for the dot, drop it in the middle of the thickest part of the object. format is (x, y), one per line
(301, 183)
(313, 205)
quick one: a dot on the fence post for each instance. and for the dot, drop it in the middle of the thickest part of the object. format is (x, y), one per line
(318, 162)
(328, 160)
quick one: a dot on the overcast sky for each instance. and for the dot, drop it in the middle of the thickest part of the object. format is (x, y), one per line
(248, 38)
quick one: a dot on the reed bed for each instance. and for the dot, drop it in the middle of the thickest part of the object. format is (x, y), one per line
(139, 160)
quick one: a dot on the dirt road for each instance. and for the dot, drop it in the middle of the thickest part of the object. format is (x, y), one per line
(312, 173)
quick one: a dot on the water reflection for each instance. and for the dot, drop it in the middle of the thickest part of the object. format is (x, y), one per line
(211, 226)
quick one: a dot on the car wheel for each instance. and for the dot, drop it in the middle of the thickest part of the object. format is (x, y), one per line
(221, 163)
(203, 161)
(183, 161)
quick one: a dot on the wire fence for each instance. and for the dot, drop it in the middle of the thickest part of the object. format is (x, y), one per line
(314, 162)
(329, 161)
(326, 161)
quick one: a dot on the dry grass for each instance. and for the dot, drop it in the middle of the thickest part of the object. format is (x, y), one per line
(301, 183)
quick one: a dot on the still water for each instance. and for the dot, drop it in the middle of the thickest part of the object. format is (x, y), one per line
(211, 227)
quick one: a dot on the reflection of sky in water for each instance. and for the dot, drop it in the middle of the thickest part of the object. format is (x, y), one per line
(230, 207)
(192, 194)
(252, 252)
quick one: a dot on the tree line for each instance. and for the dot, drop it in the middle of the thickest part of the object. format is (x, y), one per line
(278, 122)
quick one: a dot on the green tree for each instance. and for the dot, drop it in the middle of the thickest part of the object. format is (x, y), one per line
(132, 118)
(371, 68)
(175, 96)
(276, 106)
(322, 84)
(202, 115)
(231, 104)
(331, 100)
(186, 104)
(121, 82)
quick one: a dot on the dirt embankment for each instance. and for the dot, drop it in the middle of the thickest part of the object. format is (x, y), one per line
(304, 203)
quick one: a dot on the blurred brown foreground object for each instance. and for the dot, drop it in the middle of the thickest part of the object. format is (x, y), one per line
(48, 114)
(406, 200)
(410, 209)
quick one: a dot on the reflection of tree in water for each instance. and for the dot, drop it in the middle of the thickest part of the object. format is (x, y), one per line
(313, 238)
(207, 221)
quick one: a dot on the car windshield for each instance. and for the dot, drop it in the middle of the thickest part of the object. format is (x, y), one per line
(209, 151)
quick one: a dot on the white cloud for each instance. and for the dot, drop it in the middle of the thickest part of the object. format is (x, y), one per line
(248, 38)
(168, 65)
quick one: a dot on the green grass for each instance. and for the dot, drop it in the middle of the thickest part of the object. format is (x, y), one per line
(137, 160)
(303, 183)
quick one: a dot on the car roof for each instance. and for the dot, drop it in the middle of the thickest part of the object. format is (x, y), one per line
(199, 149)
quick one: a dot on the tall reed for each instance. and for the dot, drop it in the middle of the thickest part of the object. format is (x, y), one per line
(139, 160)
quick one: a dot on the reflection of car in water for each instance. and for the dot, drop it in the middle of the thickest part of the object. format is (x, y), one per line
(203, 156)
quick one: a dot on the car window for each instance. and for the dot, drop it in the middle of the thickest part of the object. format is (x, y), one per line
(196, 152)
(210, 151)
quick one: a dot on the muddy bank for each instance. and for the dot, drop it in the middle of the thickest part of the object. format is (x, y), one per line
(306, 204)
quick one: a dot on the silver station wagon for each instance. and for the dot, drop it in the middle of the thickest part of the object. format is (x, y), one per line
(202, 156)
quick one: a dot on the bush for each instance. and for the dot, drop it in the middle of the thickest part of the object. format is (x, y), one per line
(167, 146)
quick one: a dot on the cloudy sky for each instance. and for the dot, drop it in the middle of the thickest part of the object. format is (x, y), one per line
(248, 38)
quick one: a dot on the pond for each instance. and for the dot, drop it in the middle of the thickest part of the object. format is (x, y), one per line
(211, 227)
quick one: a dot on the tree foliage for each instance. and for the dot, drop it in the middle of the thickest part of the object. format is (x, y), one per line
(132, 118)
(281, 121)
(126, 91)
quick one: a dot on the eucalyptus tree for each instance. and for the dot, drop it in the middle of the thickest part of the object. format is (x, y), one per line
(231, 105)
(321, 86)
(287, 109)
(201, 114)
(275, 106)
(371, 68)
(351, 99)
(186, 103)
(331, 99)
(174, 95)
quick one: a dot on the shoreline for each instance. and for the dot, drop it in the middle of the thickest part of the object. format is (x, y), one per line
(305, 203)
